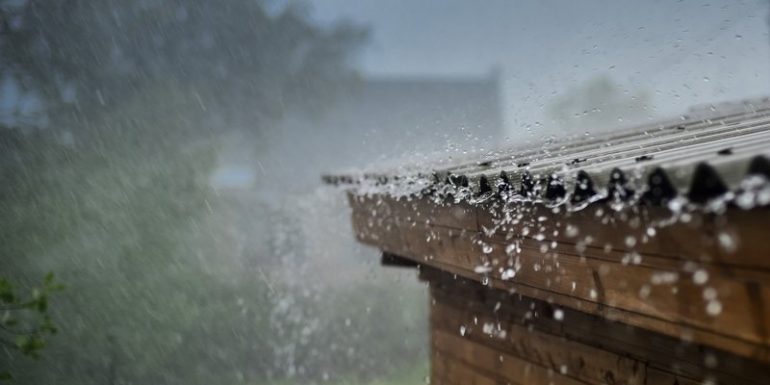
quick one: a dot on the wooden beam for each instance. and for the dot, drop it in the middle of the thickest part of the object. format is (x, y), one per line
(573, 344)
(704, 279)
(393, 260)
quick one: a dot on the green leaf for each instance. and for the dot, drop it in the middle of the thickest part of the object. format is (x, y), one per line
(6, 292)
(57, 287)
(42, 303)
(22, 341)
(48, 326)
(30, 345)
(5, 376)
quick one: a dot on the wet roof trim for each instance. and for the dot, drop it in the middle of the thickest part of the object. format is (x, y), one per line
(699, 160)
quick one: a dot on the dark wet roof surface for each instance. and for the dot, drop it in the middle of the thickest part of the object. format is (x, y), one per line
(702, 159)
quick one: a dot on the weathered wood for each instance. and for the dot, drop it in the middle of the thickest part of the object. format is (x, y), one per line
(680, 357)
(733, 239)
(457, 371)
(673, 282)
(697, 239)
(659, 377)
(393, 260)
(489, 363)
(558, 354)
(581, 347)
(706, 337)
(613, 290)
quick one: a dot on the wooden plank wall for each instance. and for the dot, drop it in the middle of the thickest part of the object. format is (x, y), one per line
(703, 279)
(486, 336)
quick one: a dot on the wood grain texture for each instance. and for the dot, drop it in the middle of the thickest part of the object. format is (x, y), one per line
(682, 281)
(515, 339)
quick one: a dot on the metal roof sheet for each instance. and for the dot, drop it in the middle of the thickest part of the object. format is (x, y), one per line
(722, 157)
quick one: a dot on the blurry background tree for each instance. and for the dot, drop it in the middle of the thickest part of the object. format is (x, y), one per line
(116, 113)
(597, 104)
(24, 320)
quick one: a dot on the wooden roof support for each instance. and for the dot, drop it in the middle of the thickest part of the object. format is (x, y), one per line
(393, 260)
(705, 279)
(505, 338)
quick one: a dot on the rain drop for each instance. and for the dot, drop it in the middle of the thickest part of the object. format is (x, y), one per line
(714, 308)
(508, 274)
(727, 242)
(572, 231)
(700, 277)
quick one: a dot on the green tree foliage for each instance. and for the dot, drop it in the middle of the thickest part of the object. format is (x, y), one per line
(24, 320)
(112, 193)
(84, 54)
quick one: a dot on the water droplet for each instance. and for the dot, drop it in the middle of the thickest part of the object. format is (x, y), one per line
(508, 274)
(713, 308)
(700, 277)
(644, 291)
(512, 248)
(710, 360)
(676, 204)
(651, 231)
(727, 242)
(572, 231)
(558, 314)
(664, 277)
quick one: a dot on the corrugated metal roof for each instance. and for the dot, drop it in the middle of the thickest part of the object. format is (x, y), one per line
(704, 158)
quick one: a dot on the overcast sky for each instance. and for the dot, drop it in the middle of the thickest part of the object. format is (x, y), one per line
(681, 52)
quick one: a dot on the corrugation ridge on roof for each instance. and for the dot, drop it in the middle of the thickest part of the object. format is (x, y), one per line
(641, 146)
(696, 159)
(632, 135)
